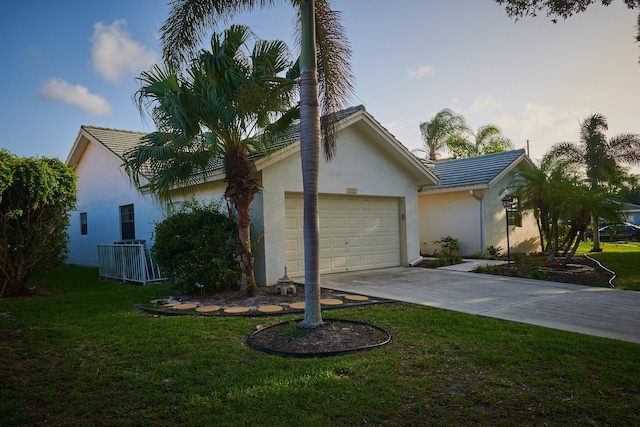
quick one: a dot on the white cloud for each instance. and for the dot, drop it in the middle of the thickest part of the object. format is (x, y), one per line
(115, 54)
(417, 72)
(543, 126)
(485, 103)
(78, 96)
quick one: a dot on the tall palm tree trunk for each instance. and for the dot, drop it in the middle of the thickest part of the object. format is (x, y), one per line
(310, 154)
(241, 189)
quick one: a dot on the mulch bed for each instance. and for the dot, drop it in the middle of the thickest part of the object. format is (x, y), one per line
(595, 277)
(335, 336)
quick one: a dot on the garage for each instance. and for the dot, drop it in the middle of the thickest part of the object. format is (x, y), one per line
(356, 233)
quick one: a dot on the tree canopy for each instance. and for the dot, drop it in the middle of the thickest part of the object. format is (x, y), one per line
(598, 156)
(217, 108)
(36, 195)
(558, 8)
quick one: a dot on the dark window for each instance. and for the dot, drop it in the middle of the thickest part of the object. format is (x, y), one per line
(83, 224)
(515, 214)
(127, 223)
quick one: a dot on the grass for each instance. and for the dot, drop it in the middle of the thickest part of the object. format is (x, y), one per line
(83, 355)
(624, 259)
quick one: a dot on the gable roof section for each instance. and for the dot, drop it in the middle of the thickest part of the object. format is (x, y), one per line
(376, 133)
(630, 207)
(115, 140)
(475, 172)
(119, 142)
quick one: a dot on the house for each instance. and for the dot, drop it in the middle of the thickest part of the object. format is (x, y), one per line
(632, 213)
(368, 200)
(467, 205)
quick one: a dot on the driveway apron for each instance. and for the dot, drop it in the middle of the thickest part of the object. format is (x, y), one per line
(587, 310)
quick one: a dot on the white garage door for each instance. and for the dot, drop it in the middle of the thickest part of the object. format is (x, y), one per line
(356, 233)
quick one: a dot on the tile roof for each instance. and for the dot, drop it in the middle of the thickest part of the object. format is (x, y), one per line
(473, 171)
(120, 141)
(116, 140)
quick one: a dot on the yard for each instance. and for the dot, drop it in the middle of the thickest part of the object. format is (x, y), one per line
(622, 258)
(79, 353)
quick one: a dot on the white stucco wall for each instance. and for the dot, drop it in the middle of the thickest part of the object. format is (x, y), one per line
(521, 239)
(359, 166)
(458, 214)
(102, 189)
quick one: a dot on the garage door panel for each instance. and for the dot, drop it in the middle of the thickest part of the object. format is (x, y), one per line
(338, 224)
(324, 244)
(356, 233)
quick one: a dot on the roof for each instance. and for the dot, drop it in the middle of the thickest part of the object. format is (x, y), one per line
(120, 141)
(475, 172)
(630, 207)
(115, 140)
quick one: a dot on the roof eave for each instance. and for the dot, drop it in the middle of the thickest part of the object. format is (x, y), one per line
(522, 157)
(426, 190)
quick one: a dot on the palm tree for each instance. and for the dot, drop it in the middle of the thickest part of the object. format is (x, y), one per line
(488, 139)
(444, 128)
(325, 72)
(578, 207)
(539, 188)
(598, 156)
(214, 109)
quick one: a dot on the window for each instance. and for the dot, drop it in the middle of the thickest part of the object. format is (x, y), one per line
(83, 224)
(127, 223)
(515, 214)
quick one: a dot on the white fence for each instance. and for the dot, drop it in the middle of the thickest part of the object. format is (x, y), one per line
(128, 263)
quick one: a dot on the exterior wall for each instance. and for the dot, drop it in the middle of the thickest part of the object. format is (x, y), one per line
(102, 189)
(359, 167)
(633, 217)
(521, 239)
(458, 214)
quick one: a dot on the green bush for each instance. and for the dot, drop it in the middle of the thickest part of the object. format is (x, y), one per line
(448, 245)
(539, 275)
(36, 195)
(197, 246)
(492, 252)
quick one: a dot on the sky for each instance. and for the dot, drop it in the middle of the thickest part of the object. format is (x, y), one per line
(69, 63)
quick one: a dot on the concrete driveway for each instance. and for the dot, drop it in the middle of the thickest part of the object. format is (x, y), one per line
(587, 310)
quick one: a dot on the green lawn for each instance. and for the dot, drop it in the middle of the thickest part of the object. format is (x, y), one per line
(83, 355)
(624, 259)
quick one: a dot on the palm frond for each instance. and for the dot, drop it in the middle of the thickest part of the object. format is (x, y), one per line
(190, 20)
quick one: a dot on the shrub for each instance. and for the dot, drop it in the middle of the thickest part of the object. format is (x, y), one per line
(197, 245)
(36, 194)
(488, 269)
(539, 275)
(448, 245)
(492, 252)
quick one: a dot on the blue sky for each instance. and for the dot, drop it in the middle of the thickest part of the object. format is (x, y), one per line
(67, 63)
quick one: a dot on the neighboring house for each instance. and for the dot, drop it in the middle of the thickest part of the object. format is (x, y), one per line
(632, 213)
(467, 205)
(368, 203)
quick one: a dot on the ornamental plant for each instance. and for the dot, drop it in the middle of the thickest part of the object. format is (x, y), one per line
(36, 195)
(196, 248)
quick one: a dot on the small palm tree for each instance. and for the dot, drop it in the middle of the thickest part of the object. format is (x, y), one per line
(578, 207)
(444, 128)
(488, 139)
(325, 75)
(598, 156)
(215, 109)
(541, 189)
